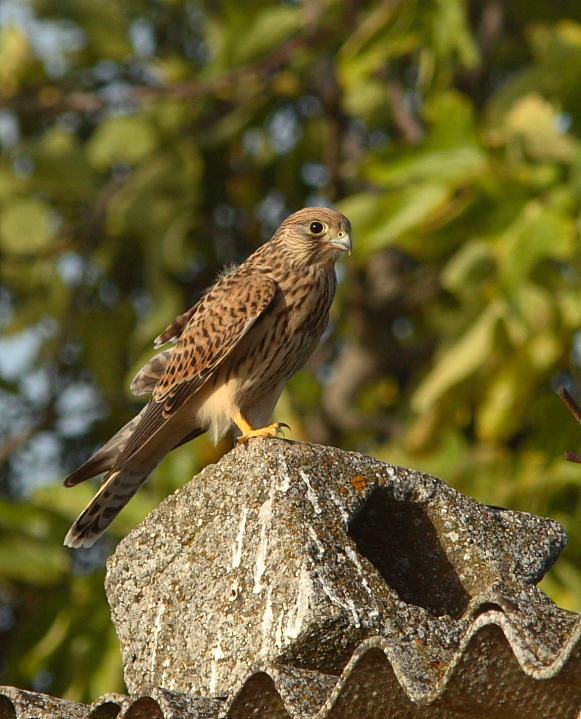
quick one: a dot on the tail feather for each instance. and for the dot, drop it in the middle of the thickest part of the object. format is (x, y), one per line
(97, 464)
(104, 459)
(117, 489)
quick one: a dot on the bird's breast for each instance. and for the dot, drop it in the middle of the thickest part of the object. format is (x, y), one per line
(275, 347)
(282, 339)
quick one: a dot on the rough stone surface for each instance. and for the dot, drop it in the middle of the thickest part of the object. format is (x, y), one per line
(20, 704)
(292, 554)
(484, 679)
(292, 581)
(148, 703)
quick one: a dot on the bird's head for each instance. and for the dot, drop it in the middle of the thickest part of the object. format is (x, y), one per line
(315, 235)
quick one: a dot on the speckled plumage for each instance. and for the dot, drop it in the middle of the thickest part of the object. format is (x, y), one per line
(233, 353)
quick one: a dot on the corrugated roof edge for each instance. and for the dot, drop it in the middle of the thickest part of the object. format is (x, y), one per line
(379, 677)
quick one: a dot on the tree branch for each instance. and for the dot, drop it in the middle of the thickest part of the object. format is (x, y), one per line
(575, 410)
(59, 100)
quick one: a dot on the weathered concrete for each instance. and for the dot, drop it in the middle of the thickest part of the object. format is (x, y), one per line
(293, 554)
(293, 581)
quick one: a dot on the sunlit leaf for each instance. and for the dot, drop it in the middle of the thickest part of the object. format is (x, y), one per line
(394, 214)
(15, 55)
(122, 139)
(450, 152)
(472, 261)
(459, 361)
(534, 121)
(25, 225)
(538, 232)
(270, 27)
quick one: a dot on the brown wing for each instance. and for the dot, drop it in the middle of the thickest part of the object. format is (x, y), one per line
(173, 331)
(220, 320)
(148, 376)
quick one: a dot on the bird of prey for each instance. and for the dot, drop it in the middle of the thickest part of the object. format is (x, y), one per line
(232, 354)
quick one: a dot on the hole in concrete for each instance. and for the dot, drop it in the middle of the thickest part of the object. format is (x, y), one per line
(399, 539)
(144, 708)
(488, 607)
(108, 710)
(7, 710)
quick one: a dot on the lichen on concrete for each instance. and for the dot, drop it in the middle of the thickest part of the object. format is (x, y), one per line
(292, 554)
(292, 581)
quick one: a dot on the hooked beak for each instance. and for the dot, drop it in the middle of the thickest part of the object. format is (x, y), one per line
(343, 241)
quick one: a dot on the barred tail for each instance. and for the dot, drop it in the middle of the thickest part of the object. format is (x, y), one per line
(117, 489)
(105, 458)
(118, 486)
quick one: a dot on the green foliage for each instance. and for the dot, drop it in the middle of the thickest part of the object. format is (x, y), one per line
(157, 142)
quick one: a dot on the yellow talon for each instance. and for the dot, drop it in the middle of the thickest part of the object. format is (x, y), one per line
(271, 431)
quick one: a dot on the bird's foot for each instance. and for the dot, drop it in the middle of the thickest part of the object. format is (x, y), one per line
(271, 431)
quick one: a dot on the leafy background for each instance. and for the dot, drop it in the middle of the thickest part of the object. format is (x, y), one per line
(146, 143)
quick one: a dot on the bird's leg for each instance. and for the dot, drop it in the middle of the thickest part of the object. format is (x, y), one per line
(248, 432)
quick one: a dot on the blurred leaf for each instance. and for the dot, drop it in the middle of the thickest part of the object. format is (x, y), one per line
(26, 560)
(450, 31)
(555, 72)
(526, 241)
(461, 360)
(382, 219)
(467, 266)
(451, 151)
(15, 55)
(537, 307)
(271, 26)
(545, 350)
(62, 169)
(166, 310)
(497, 418)
(104, 25)
(534, 122)
(128, 139)
(363, 57)
(25, 225)
(108, 367)
(148, 202)
(176, 253)
(24, 517)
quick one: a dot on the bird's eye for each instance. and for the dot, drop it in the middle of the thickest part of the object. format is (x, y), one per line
(316, 228)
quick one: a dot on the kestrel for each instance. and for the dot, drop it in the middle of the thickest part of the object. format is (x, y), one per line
(233, 352)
